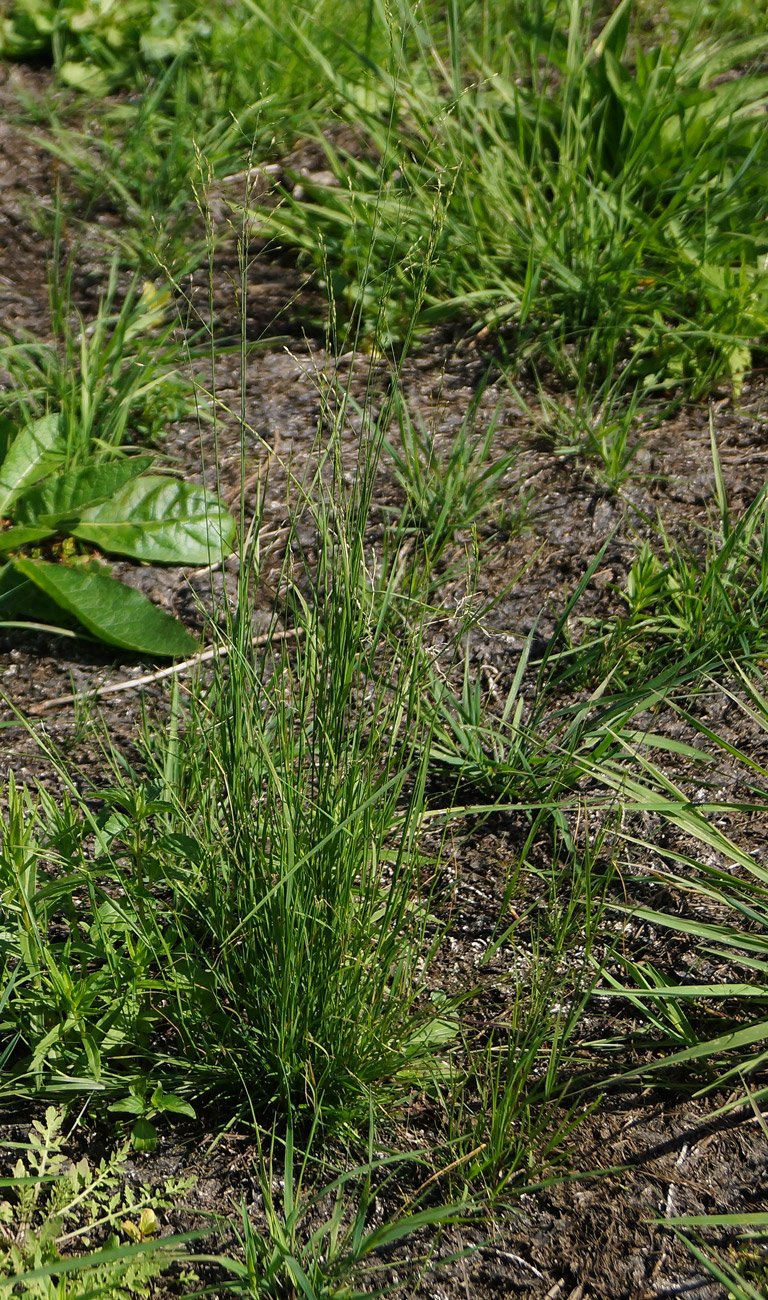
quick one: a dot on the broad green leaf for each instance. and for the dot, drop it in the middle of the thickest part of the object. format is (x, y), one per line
(436, 1032)
(13, 538)
(162, 520)
(128, 1106)
(168, 1101)
(109, 610)
(21, 599)
(143, 1135)
(31, 455)
(70, 493)
(83, 76)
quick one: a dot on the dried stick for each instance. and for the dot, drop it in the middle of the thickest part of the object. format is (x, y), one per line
(113, 687)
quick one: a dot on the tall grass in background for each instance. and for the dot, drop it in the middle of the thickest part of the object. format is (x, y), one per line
(588, 187)
(600, 200)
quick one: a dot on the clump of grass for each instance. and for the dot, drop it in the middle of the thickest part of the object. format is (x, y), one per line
(599, 430)
(689, 608)
(449, 493)
(115, 380)
(329, 1254)
(605, 206)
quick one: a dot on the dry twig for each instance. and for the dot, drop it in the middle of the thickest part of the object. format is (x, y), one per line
(150, 678)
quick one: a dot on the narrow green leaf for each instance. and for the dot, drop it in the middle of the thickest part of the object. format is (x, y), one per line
(300, 1277)
(162, 520)
(755, 1219)
(675, 991)
(31, 455)
(109, 610)
(725, 1043)
(389, 1233)
(93, 1055)
(737, 1287)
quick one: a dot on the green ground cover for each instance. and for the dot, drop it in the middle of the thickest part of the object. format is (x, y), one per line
(245, 926)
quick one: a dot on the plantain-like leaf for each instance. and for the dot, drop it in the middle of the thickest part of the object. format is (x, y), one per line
(109, 610)
(33, 452)
(21, 600)
(162, 520)
(65, 496)
(25, 535)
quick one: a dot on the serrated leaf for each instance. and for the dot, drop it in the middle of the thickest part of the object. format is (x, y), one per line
(161, 520)
(109, 610)
(112, 1255)
(31, 455)
(76, 490)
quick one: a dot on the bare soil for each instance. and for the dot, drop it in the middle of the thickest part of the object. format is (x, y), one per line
(583, 1236)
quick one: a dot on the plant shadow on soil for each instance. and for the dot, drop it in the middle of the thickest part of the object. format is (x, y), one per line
(585, 1236)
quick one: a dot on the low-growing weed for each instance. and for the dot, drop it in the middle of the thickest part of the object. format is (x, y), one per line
(450, 492)
(145, 1101)
(602, 432)
(68, 487)
(327, 1256)
(55, 1205)
(59, 511)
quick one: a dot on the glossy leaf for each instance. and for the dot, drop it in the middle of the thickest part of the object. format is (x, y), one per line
(68, 494)
(21, 599)
(161, 520)
(33, 452)
(117, 614)
(162, 1101)
(144, 1135)
(24, 535)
